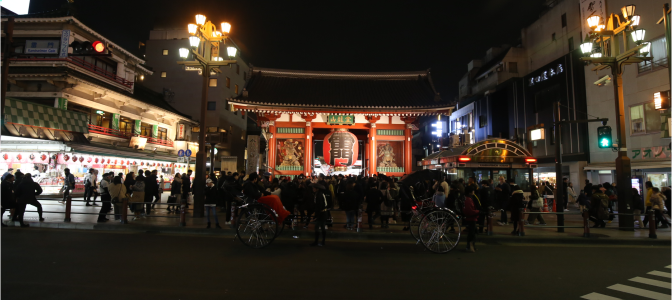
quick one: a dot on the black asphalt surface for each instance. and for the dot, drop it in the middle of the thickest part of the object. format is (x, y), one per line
(78, 264)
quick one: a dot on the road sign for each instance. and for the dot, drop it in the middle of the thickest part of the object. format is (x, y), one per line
(180, 153)
(187, 152)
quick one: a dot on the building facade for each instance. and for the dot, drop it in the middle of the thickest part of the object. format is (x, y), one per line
(182, 87)
(83, 112)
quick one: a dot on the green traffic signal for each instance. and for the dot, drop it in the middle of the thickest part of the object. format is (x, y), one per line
(604, 137)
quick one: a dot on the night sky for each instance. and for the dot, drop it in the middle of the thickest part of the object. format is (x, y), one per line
(330, 35)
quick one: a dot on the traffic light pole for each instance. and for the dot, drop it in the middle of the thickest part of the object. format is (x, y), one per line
(9, 34)
(623, 170)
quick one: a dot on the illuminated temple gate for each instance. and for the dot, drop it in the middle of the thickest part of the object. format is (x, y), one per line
(332, 122)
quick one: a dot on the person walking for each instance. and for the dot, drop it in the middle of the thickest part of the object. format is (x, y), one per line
(211, 197)
(320, 202)
(68, 184)
(26, 193)
(502, 194)
(373, 198)
(647, 201)
(138, 195)
(637, 207)
(89, 184)
(176, 192)
(471, 214)
(667, 192)
(485, 197)
(150, 191)
(658, 206)
(186, 186)
(117, 192)
(105, 197)
(588, 189)
(515, 205)
(536, 204)
(571, 195)
(7, 196)
(386, 205)
(599, 207)
(158, 187)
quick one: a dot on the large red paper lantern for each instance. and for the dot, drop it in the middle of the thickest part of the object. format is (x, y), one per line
(340, 148)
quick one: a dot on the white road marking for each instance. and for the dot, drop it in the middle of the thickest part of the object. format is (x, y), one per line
(639, 292)
(657, 283)
(598, 296)
(659, 273)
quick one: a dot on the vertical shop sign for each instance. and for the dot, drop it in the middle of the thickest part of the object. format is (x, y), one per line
(155, 131)
(115, 122)
(61, 103)
(136, 127)
(252, 154)
(65, 41)
(180, 131)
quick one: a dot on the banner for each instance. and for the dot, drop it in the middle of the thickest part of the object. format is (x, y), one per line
(591, 8)
(61, 103)
(65, 41)
(137, 127)
(115, 122)
(181, 131)
(155, 131)
(252, 154)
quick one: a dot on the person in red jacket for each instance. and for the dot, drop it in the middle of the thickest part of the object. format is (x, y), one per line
(471, 212)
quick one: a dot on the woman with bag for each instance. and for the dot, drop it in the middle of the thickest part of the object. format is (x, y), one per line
(536, 204)
(658, 206)
(571, 194)
(386, 206)
(118, 192)
(138, 197)
(175, 193)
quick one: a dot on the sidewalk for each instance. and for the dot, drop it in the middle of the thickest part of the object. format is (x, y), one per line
(162, 221)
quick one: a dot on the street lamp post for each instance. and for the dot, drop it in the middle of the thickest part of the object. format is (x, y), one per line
(205, 43)
(603, 49)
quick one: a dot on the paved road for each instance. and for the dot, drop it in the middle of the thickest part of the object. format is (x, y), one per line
(63, 264)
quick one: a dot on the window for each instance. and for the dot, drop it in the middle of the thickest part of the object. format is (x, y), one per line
(644, 118)
(570, 43)
(553, 36)
(165, 51)
(513, 67)
(163, 133)
(213, 129)
(163, 74)
(237, 69)
(236, 89)
(213, 82)
(482, 121)
(228, 82)
(659, 58)
(212, 105)
(563, 20)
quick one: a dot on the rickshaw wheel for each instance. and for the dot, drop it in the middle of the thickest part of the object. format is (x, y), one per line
(257, 226)
(435, 231)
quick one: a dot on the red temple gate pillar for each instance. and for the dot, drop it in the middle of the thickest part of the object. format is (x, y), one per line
(307, 154)
(373, 154)
(272, 144)
(408, 144)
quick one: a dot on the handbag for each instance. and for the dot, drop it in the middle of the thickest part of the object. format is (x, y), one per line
(117, 199)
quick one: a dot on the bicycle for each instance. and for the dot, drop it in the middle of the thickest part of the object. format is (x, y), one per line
(257, 224)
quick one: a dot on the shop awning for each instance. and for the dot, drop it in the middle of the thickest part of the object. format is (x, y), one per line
(641, 165)
(37, 115)
(96, 149)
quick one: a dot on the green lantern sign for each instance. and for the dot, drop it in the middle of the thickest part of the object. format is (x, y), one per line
(341, 119)
(137, 127)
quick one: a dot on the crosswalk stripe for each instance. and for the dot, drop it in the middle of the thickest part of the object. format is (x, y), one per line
(598, 296)
(657, 283)
(639, 292)
(659, 273)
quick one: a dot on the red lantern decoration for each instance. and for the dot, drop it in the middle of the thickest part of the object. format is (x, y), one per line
(5, 156)
(340, 148)
(108, 161)
(74, 158)
(66, 157)
(115, 161)
(142, 163)
(32, 157)
(81, 159)
(89, 159)
(18, 157)
(43, 157)
(97, 160)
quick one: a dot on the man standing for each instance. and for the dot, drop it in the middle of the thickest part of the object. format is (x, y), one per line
(26, 193)
(68, 184)
(502, 192)
(9, 172)
(484, 195)
(186, 187)
(157, 186)
(88, 186)
(7, 196)
(105, 197)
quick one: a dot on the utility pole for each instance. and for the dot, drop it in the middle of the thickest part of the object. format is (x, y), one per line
(9, 50)
(559, 186)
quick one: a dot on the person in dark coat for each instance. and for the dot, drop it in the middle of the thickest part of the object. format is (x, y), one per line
(251, 188)
(406, 203)
(349, 202)
(129, 181)
(151, 188)
(485, 196)
(156, 196)
(26, 193)
(667, 192)
(186, 186)
(471, 214)
(588, 189)
(7, 195)
(308, 202)
(502, 195)
(515, 205)
(320, 202)
(373, 198)
(599, 207)
(210, 202)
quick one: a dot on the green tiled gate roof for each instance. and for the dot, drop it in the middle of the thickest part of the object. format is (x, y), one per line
(26, 113)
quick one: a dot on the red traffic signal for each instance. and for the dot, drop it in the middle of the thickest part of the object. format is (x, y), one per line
(98, 46)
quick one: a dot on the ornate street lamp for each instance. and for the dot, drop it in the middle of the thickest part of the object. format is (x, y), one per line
(607, 54)
(204, 42)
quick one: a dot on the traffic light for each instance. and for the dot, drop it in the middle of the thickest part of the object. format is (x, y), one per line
(604, 137)
(97, 48)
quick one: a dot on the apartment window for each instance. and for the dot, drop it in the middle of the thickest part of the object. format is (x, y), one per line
(163, 74)
(658, 57)
(212, 105)
(644, 118)
(482, 121)
(553, 36)
(513, 67)
(237, 69)
(228, 82)
(570, 43)
(213, 82)
(563, 19)
(165, 51)
(236, 89)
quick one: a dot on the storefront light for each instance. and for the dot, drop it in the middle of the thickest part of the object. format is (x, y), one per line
(100, 112)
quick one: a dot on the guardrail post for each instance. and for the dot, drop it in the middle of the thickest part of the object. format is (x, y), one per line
(68, 207)
(586, 228)
(124, 210)
(183, 212)
(652, 225)
(489, 220)
(521, 223)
